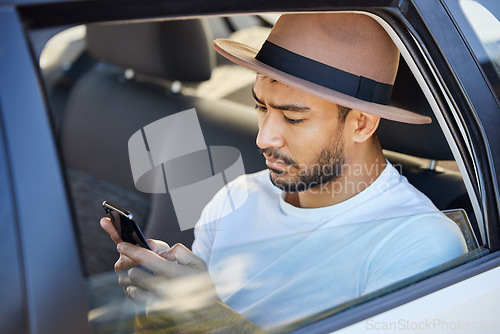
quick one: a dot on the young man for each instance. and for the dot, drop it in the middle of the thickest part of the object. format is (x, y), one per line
(331, 220)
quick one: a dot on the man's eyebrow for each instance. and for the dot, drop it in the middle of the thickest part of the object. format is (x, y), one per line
(291, 107)
(288, 107)
(255, 97)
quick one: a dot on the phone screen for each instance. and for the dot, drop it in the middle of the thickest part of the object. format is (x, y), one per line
(125, 225)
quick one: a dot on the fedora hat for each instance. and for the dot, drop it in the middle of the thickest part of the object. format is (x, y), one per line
(345, 58)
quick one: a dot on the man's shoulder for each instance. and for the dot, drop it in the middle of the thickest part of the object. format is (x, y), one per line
(430, 230)
(427, 222)
(391, 195)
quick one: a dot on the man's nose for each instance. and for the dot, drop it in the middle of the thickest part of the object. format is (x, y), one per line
(270, 131)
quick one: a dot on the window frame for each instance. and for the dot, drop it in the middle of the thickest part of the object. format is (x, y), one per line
(469, 90)
(51, 279)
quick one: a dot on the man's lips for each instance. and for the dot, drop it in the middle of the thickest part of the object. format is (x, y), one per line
(275, 163)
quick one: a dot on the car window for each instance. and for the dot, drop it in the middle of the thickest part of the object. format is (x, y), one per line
(483, 18)
(112, 115)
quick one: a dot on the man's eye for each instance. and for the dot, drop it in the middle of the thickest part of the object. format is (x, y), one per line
(260, 108)
(293, 121)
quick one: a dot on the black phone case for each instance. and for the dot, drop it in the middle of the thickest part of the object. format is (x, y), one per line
(126, 227)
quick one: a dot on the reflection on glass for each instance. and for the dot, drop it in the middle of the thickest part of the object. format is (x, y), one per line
(487, 28)
(286, 282)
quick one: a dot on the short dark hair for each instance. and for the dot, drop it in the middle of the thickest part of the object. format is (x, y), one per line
(343, 112)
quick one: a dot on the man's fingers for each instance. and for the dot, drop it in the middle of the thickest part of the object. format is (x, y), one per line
(158, 246)
(149, 260)
(139, 295)
(183, 255)
(138, 277)
(124, 263)
(186, 293)
(108, 226)
(123, 280)
(143, 278)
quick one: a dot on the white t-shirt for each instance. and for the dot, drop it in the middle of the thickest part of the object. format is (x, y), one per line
(275, 263)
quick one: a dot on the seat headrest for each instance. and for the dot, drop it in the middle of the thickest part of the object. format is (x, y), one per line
(173, 50)
(423, 141)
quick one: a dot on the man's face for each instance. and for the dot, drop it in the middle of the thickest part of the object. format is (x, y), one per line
(300, 135)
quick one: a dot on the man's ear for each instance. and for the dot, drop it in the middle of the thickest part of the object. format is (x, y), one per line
(365, 126)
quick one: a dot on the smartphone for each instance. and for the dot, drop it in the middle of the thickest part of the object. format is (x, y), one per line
(125, 225)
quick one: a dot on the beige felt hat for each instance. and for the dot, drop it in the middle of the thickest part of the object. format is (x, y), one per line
(345, 58)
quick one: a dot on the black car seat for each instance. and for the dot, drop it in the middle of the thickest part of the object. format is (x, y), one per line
(106, 107)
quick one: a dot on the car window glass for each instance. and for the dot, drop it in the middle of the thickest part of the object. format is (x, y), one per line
(484, 20)
(107, 117)
(309, 283)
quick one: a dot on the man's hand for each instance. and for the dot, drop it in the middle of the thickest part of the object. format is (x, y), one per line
(124, 263)
(180, 281)
(175, 290)
(169, 266)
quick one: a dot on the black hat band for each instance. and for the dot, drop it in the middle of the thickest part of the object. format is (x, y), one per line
(321, 74)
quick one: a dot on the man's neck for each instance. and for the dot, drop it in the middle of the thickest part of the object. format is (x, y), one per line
(355, 178)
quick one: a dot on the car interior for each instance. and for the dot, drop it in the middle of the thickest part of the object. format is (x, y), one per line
(119, 77)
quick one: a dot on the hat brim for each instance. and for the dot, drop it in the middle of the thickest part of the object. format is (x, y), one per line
(244, 55)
